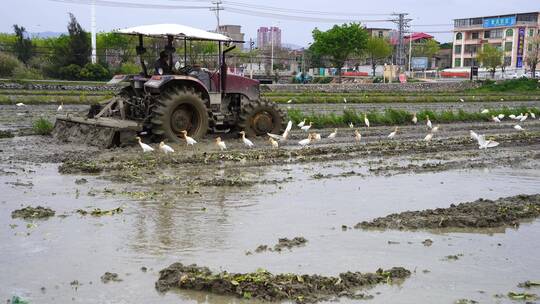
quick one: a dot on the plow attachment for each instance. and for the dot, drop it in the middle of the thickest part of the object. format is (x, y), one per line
(102, 131)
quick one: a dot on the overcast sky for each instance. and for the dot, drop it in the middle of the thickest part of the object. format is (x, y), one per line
(46, 15)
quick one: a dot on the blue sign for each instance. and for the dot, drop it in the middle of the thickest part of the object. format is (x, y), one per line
(498, 22)
(419, 63)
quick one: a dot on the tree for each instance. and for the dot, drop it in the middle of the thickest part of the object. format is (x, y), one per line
(377, 49)
(79, 47)
(428, 49)
(533, 54)
(339, 43)
(23, 45)
(491, 58)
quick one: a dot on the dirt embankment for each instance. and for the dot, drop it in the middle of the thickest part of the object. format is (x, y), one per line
(267, 286)
(508, 211)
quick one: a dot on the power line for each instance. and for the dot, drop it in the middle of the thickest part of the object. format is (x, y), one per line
(132, 4)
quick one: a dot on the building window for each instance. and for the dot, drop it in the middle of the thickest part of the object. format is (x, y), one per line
(507, 61)
(381, 34)
(475, 35)
(531, 32)
(459, 36)
(471, 48)
(487, 34)
(457, 62)
(493, 34)
(508, 46)
(457, 49)
(509, 33)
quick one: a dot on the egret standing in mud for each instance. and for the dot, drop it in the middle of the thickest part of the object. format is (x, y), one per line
(473, 135)
(357, 136)
(305, 142)
(189, 140)
(165, 148)
(519, 128)
(274, 143)
(495, 118)
(60, 107)
(20, 104)
(221, 144)
(435, 129)
(428, 137)
(351, 125)
(533, 116)
(485, 111)
(524, 117)
(512, 116)
(393, 134)
(248, 143)
(317, 137)
(500, 116)
(414, 119)
(302, 123)
(484, 144)
(145, 147)
(332, 135)
(428, 122)
(306, 128)
(366, 120)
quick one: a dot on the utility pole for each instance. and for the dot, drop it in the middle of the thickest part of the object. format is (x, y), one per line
(403, 26)
(251, 44)
(217, 9)
(93, 30)
(272, 50)
(410, 51)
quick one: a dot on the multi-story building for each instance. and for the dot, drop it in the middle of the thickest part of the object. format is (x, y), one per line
(265, 36)
(510, 33)
(379, 32)
(234, 32)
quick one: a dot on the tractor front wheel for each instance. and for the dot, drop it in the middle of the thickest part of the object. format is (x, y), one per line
(179, 111)
(260, 117)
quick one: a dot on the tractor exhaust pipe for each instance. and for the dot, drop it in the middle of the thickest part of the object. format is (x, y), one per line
(224, 68)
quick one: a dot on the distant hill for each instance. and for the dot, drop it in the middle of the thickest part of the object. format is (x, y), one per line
(46, 34)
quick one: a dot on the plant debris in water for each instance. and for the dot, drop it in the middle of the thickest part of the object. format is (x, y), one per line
(264, 285)
(6, 134)
(33, 213)
(282, 244)
(522, 296)
(100, 212)
(478, 214)
(529, 284)
(110, 276)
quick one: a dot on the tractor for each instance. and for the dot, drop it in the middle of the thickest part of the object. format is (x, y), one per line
(161, 105)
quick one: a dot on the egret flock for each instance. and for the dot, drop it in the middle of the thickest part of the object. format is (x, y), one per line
(313, 137)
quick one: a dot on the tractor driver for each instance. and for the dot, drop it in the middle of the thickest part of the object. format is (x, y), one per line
(163, 64)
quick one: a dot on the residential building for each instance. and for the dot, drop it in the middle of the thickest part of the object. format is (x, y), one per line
(510, 33)
(234, 32)
(379, 32)
(265, 36)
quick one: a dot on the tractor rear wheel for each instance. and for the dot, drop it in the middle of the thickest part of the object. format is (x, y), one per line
(178, 111)
(260, 117)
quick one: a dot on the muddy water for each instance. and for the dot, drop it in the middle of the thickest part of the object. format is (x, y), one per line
(218, 226)
(13, 117)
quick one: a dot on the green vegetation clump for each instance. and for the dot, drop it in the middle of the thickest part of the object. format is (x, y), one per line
(400, 117)
(513, 85)
(8, 64)
(42, 126)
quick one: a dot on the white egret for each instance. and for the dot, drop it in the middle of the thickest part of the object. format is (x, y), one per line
(302, 123)
(533, 116)
(344, 100)
(435, 129)
(221, 144)
(20, 104)
(519, 117)
(512, 116)
(274, 143)
(428, 137)
(165, 148)
(351, 125)
(519, 128)
(474, 136)
(248, 143)
(462, 100)
(500, 116)
(524, 117)
(189, 140)
(484, 144)
(285, 133)
(502, 99)
(366, 120)
(428, 122)
(495, 118)
(393, 134)
(485, 111)
(357, 135)
(414, 119)
(332, 135)
(60, 107)
(305, 142)
(145, 147)
(289, 101)
(316, 136)
(306, 128)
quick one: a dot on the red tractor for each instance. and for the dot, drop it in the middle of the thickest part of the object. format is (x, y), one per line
(164, 104)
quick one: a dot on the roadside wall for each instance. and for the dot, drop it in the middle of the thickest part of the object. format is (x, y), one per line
(371, 87)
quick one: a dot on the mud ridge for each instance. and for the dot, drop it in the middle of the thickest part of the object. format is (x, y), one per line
(482, 213)
(29, 212)
(264, 285)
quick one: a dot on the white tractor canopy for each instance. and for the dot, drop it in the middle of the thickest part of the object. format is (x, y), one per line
(177, 30)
